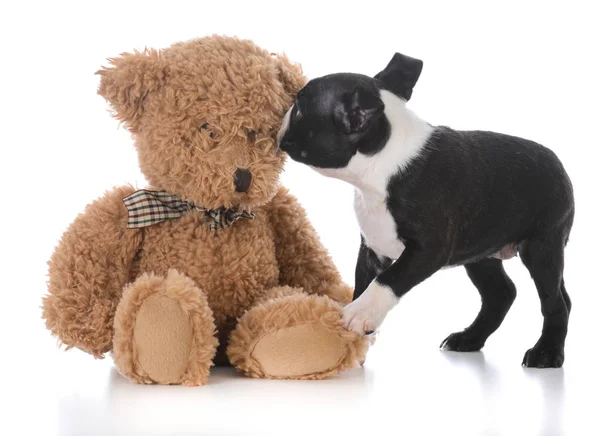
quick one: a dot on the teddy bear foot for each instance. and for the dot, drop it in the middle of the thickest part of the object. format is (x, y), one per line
(164, 331)
(296, 336)
(300, 351)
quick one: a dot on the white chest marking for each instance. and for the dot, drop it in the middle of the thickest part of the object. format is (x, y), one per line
(377, 225)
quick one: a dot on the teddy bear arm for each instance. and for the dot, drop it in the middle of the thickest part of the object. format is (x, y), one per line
(87, 273)
(303, 260)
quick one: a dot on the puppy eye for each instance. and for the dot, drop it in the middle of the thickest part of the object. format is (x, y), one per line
(206, 127)
(251, 135)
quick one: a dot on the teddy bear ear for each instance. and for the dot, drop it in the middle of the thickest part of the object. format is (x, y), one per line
(128, 80)
(290, 75)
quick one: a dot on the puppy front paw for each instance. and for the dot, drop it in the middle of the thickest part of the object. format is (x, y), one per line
(366, 314)
(462, 341)
(359, 319)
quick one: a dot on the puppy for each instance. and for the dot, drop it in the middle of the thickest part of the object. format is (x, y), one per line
(430, 197)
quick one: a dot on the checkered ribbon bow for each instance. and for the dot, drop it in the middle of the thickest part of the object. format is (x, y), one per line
(146, 208)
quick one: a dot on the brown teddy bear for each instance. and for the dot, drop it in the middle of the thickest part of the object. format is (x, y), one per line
(214, 262)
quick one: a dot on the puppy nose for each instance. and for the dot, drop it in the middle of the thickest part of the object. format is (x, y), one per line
(286, 145)
(242, 179)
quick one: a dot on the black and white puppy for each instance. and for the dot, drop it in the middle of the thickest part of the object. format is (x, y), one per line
(430, 197)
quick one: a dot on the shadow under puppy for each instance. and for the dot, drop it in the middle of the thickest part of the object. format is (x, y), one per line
(429, 197)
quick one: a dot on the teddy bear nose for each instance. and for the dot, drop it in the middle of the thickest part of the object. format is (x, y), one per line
(242, 179)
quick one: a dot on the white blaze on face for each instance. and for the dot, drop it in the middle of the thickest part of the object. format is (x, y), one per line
(284, 126)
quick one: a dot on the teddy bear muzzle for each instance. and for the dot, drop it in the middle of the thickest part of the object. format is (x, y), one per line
(242, 180)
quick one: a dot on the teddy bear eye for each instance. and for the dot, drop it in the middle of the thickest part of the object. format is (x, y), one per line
(251, 135)
(206, 127)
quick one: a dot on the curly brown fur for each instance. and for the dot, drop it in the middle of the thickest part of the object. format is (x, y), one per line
(198, 111)
(192, 302)
(87, 272)
(292, 308)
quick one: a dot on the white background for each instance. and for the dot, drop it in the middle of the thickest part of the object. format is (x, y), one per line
(523, 68)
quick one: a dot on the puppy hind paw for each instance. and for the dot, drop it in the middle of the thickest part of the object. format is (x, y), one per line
(544, 357)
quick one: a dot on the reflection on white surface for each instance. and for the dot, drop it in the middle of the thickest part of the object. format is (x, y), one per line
(421, 392)
(463, 395)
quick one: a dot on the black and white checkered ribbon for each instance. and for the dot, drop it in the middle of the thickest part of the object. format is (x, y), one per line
(146, 208)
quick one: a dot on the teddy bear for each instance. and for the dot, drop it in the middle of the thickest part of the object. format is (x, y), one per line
(213, 263)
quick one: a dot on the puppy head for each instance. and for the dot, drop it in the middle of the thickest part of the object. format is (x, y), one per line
(334, 117)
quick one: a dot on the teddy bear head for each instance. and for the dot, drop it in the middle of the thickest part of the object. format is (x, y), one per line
(204, 115)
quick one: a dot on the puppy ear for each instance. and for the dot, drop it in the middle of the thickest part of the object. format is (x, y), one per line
(357, 109)
(401, 75)
(128, 81)
(290, 75)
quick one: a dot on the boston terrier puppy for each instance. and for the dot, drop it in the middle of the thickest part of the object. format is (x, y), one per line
(430, 197)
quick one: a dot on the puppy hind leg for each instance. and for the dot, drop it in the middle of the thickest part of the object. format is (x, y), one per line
(497, 293)
(544, 258)
(565, 296)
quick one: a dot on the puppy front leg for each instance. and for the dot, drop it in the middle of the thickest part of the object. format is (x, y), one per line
(366, 314)
(368, 266)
